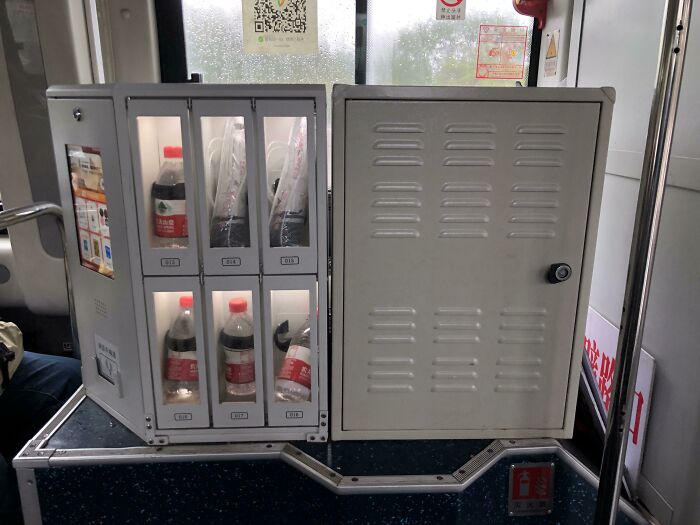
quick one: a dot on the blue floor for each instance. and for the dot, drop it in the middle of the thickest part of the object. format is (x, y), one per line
(270, 491)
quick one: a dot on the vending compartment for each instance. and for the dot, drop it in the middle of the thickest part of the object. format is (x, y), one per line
(229, 410)
(224, 145)
(288, 303)
(286, 135)
(167, 225)
(176, 405)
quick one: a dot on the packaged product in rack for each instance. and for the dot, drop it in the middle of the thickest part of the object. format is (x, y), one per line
(229, 223)
(289, 213)
(181, 370)
(237, 343)
(169, 205)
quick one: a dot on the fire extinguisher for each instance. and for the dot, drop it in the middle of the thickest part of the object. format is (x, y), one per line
(534, 8)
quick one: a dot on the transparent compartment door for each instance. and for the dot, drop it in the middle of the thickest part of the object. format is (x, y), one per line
(225, 160)
(235, 351)
(286, 143)
(176, 337)
(164, 185)
(291, 350)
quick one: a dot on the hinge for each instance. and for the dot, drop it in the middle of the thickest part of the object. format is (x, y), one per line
(189, 104)
(201, 274)
(252, 103)
(314, 106)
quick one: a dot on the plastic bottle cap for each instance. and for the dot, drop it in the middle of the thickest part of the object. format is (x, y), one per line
(237, 305)
(186, 301)
(172, 152)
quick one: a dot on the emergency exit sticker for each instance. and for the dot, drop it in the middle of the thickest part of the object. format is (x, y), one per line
(501, 52)
(450, 10)
(531, 489)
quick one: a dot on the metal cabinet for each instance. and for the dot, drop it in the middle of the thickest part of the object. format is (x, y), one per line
(464, 229)
(171, 194)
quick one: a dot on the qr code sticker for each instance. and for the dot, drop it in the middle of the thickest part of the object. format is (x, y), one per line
(280, 16)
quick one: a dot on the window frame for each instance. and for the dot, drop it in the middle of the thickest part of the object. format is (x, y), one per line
(173, 56)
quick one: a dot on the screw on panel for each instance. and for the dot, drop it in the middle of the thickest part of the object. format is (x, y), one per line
(77, 113)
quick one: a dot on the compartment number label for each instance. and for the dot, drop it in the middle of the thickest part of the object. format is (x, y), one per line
(168, 262)
(231, 261)
(183, 416)
(295, 414)
(239, 415)
(288, 261)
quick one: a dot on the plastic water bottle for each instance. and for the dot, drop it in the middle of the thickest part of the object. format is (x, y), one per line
(229, 223)
(294, 379)
(236, 341)
(182, 373)
(169, 205)
(288, 216)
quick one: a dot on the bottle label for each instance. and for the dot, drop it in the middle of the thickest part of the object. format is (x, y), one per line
(181, 369)
(295, 368)
(170, 218)
(240, 367)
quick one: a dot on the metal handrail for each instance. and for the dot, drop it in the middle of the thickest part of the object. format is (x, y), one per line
(14, 216)
(646, 229)
(31, 211)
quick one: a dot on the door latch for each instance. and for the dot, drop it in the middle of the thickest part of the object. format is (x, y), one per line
(559, 272)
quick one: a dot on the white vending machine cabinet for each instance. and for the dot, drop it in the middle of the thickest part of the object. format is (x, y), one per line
(195, 220)
(464, 230)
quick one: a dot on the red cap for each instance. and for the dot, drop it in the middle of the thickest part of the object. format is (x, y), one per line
(237, 305)
(172, 152)
(186, 301)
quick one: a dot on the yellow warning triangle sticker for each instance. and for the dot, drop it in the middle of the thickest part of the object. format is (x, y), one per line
(552, 48)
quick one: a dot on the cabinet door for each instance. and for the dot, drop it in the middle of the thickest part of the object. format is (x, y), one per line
(455, 212)
(164, 186)
(225, 160)
(176, 337)
(291, 362)
(235, 351)
(286, 139)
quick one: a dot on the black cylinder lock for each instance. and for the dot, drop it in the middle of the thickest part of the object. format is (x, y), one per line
(558, 273)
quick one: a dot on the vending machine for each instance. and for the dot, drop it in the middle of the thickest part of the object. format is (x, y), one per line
(195, 219)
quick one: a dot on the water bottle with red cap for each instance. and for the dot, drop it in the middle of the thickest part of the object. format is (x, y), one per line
(169, 205)
(181, 371)
(237, 343)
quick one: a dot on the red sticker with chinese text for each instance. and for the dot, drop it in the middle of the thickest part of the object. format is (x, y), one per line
(182, 369)
(296, 370)
(240, 373)
(531, 489)
(501, 52)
